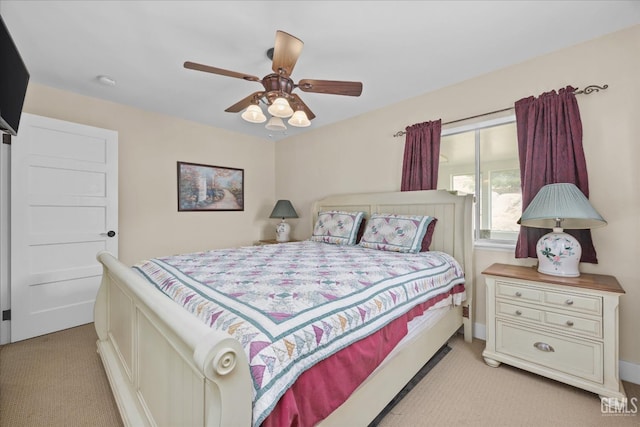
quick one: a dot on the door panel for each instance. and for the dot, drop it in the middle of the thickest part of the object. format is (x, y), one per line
(63, 202)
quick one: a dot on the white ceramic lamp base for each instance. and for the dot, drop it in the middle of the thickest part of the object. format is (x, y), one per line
(558, 254)
(282, 232)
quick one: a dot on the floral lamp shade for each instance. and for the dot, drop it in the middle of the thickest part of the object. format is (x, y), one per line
(560, 206)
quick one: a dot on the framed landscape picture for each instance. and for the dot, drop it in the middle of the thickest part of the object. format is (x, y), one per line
(210, 188)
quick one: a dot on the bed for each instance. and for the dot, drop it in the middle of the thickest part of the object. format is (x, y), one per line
(167, 367)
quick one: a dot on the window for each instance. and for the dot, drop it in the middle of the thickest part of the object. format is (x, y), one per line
(482, 159)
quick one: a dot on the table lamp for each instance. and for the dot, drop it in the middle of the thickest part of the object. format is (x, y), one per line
(283, 209)
(560, 206)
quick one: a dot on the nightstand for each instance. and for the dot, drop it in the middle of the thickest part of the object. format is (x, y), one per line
(271, 242)
(564, 328)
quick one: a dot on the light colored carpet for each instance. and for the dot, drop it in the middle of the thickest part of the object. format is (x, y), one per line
(58, 380)
(462, 390)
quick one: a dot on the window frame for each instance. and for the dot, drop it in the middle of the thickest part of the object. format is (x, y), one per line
(476, 128)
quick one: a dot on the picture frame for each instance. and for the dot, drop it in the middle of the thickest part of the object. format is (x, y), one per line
(209, 188)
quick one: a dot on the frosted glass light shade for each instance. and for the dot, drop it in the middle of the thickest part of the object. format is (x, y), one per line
(280, 108)
(254, 114)
(275, 123)
(299, 119)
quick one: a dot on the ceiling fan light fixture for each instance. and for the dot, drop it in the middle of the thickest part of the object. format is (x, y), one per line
(278, 86)
(299, 119)
(254, 114)
(276, 124)
(280, 108)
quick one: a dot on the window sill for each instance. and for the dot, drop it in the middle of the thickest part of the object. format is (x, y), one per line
(495, 246)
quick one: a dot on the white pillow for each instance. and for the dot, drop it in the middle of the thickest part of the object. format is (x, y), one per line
(397, 233)
(337, 227)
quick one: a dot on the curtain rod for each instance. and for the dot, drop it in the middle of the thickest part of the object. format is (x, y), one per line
(587, 90)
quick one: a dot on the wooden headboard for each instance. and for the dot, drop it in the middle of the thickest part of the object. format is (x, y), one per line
(453, 232)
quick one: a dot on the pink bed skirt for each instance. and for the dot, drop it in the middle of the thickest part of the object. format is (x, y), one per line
(316, 393)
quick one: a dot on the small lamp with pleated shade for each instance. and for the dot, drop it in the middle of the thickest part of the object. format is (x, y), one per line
(560, 206)
(283, 209)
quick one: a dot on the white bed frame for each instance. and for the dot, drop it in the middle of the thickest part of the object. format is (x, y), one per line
(167, 368)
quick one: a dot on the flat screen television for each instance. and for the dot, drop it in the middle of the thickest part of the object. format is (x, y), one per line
(14, 78)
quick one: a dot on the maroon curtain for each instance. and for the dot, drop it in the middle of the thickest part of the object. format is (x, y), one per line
(550, 150)
(421, 156)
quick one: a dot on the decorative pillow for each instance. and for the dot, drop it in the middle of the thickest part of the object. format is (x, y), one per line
(398, 233)
(426, 241)
(337, 227)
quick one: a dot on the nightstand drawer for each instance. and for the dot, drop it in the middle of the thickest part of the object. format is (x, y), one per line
(590, 327)
(518, 312)
(580, 358)
(581, 303)
(516, 291)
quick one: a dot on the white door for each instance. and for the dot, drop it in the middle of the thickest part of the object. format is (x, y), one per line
(64, 210)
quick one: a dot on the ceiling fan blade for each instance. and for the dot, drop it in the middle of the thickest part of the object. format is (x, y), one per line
(306, 109)
(244, 103)
(209, 69)
(285, 53)
(331, 87)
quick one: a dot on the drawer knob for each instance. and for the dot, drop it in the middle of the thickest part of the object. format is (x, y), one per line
(518, 294)
(518, 313)
(569, 302)
(569, 323)
(543, 346)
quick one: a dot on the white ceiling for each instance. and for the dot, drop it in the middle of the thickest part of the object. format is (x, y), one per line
(397, 49)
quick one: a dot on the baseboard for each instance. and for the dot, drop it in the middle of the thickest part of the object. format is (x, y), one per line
(628, 371)
(480, 331)
(5, 331)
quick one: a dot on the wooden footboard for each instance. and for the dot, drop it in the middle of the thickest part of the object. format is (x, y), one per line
(166, 374)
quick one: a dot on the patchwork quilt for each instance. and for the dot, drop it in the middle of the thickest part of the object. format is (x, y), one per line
(293, 305)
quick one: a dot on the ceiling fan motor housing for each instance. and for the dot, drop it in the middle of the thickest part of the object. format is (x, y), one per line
(276, 85)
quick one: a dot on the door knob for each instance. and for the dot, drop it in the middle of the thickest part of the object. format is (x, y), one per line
(109, 233)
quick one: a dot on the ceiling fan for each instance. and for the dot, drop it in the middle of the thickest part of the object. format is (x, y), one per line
(279, 85)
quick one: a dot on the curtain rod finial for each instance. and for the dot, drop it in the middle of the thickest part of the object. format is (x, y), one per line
(591, 88)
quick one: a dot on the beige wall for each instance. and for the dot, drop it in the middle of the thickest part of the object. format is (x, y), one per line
(361, 154)
(150, 144)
